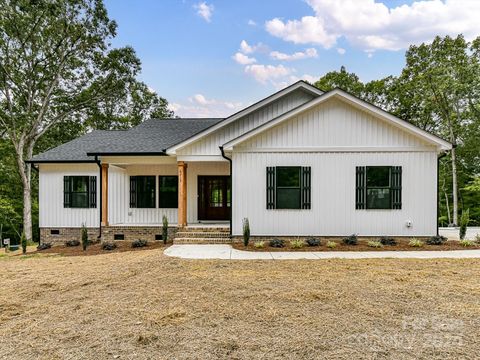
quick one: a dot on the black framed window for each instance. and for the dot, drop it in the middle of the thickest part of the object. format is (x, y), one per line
(142, 191)
(288, 187)
(379, 187)
(168, 192)
(80, 191)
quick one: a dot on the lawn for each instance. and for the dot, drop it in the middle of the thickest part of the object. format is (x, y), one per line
(143, 305)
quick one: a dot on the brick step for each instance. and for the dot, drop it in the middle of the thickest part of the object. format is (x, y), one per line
(224, 240)
(196, 234)
(204, 229)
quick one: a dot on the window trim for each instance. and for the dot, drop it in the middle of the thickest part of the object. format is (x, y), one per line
(299, 187)
(389, 188)
(394, 186)
(90, 192)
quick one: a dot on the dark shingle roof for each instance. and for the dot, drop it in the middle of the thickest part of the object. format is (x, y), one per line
(151, 136)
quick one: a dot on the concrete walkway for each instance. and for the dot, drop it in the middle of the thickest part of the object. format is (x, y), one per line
(226, 252)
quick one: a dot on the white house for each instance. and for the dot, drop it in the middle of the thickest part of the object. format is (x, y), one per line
(300, 162)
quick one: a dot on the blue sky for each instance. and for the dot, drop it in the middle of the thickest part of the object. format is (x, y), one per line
(191, 51)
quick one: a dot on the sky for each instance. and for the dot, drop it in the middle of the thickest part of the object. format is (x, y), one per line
(211, 58)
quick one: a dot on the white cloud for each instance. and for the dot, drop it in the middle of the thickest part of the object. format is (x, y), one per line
(267, 73)
(308, 53)
(251, 23)
(341, 51)
(243, 59)
(249, 49)
(200, 106)
(372, 25)
(204, 10)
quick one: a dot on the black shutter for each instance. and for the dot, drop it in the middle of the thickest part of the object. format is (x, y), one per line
(396, 187)
(67, 191)
(133, 191)
(92, 191)
(271, 187)
(306, 187)
(360, 188)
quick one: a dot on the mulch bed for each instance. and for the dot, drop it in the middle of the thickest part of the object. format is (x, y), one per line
(361, 246)
(96, 249)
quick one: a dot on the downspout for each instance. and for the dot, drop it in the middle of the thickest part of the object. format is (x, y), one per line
(100, 219)
(438, 189)
(231, 187)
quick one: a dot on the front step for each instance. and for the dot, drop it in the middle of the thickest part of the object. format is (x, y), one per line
(198, 241)
(202, 235)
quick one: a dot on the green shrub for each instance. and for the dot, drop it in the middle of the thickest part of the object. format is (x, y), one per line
(477, 238)
(277, 243)
(331, 244)
(109, 245)
(351, 240)
(23, 240)
(84, 237)
(467, 243)
(164, 229)
(259, 244)
(416, 243)
(375, 244)
(464, 219)
(139, 243)
(388, 241)
(313, 242)
(72, 243)
(297, 244)
(436, 240)
(246, 232)
(44, 246)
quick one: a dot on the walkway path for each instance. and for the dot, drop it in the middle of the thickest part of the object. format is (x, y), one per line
(227, 252)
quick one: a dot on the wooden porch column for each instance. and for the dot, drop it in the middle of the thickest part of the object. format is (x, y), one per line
(182, 193)
(104, 194)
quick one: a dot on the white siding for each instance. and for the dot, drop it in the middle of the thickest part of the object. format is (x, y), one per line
(51, 212)
(333, 195)
(209, 145)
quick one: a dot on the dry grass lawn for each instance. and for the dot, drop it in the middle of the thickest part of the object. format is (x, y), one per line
(144, 305)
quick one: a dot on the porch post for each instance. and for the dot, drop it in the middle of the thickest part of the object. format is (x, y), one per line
(104, 194)
(182, 193)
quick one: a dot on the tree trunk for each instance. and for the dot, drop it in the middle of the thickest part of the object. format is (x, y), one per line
(454, 188)
(25, 172)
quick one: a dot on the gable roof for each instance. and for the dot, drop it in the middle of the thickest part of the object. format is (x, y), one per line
(152, 137)
(298, 85)
(352, 100)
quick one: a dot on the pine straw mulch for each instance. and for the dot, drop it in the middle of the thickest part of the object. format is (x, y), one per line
(144, 305)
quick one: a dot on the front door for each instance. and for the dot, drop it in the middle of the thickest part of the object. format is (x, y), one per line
(214, 197)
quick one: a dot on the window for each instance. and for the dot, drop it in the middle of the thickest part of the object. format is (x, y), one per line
(142, 191)
(379, 187)
(168, 192)
(288, 187)
(80, 191)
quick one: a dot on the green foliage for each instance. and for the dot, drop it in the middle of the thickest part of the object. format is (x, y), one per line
(109, 245)
(139, 243)
(84, 234)
(464, 219)
(297, 244)
(416, 243)
(477, 238)
(331, 244)
(436, 240)
(388, 241)
(375, 244)
(23, 240)
(277, 243)
(259, 244)
(44, 246)
(164, 229)
(72, 243)
(351, 240)
(467, 243)
(246, 232)
(313, 242)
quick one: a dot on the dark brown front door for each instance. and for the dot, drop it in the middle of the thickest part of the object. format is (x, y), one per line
(214, 197)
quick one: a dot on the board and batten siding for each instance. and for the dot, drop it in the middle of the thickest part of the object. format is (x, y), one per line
(209, 145)
(51, 210)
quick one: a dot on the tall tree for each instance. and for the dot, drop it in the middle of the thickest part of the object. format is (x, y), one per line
(55, 64)
(341, 79)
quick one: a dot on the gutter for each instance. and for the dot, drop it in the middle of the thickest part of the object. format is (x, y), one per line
(231, 188)
(99, 163)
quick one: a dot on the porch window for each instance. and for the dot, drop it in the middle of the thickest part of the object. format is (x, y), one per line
(379, 187)
(79, 191)
(142, 191)
(288, 187)
(168, 192)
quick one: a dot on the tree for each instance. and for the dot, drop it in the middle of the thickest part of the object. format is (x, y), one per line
(56, 67)
(343, 80)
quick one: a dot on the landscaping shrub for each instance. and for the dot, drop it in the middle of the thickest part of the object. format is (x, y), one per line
(388, 241)
(351, 240)
(23, 240)
(164, 229)
(437, 240)
(416, 243)
(277, 243)
(259, 244)
(467, 243)
(477, 238)
(246, 232)
(44, 246)
(108, 245)
(375, 244)
(72, 243)
(331, 244)
(464, 219)
(297, 244)
(84, 237)
(313, 242)
(139, 243)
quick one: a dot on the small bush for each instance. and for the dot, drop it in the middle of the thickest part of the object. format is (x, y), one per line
(44, 246)
(313, 242)
(164, 229)
(297, 244)
(246, 232)
(464, 219)
(108, 245)
(331, 244)
(477, 238)
(375, 244)
(467, 243)
(416, 243)
(139, 243)
(23, 240)
(437, 240)
(259, 244)
(277, 243)
(351, 240)
(72, 243)
(388, 241)
(84, 238)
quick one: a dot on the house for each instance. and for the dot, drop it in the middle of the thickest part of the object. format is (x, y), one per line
(300, 162)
